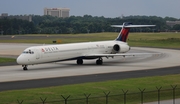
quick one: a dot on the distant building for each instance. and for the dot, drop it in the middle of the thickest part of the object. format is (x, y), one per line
(172, 23)
(23, 17)
(57, 12)
(4, 14)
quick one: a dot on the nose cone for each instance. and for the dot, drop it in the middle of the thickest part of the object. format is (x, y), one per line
(20, 60)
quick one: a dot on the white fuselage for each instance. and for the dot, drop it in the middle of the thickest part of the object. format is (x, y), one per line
(62, 52)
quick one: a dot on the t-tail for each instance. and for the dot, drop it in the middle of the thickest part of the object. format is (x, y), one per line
(123, 35)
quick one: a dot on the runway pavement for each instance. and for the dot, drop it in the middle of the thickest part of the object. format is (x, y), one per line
(52, 74)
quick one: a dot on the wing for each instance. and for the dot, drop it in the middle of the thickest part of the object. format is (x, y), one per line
(124, 54)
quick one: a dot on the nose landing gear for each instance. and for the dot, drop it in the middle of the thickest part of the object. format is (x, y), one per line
(25, 67)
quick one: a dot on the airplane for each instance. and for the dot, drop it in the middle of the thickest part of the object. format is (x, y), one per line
(80, 51)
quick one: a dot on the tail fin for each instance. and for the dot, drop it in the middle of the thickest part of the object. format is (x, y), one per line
(123, 35)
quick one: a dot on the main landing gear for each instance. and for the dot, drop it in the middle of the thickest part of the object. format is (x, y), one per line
(79, 61)
(24, 67)
(99, 61)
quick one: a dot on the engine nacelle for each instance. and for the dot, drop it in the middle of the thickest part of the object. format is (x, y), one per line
(116, 48)
(120, 48)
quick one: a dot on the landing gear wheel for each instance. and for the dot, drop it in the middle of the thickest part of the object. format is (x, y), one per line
(79, 61)
(99, 61)
(24, 67)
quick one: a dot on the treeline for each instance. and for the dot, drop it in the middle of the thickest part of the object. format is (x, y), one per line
(81, 24)
(16, 26)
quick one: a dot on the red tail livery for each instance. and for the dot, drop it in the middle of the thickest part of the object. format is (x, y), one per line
(123, 35)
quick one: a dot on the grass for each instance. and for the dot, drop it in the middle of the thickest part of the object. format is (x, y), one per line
(5, 60)
(65, 38)
(164, 40)
(96, 89)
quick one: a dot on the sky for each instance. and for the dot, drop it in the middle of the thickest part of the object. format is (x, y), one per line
(106, 8)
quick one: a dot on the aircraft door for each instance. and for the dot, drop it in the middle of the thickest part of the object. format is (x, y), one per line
(38, 54)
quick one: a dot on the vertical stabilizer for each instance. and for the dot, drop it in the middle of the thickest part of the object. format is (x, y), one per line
(123, 35)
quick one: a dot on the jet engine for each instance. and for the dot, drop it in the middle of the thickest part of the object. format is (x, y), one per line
(120, 48)
(116, 48)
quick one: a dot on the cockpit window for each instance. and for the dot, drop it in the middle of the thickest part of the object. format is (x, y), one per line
(28, 52)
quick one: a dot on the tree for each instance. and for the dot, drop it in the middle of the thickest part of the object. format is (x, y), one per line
(79, 24)
(176, 27)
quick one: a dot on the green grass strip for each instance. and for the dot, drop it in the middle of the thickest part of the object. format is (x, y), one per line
(96, 89)
(164, 40)
(5, 60)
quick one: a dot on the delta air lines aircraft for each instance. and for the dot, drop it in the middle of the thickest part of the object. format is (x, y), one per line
(80, 51)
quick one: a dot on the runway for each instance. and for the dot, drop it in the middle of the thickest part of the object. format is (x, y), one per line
(52, 73)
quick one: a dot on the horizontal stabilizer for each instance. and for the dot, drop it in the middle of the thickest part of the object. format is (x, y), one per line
(130, 26)
(125, 30)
